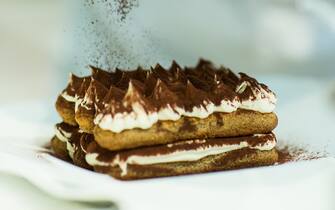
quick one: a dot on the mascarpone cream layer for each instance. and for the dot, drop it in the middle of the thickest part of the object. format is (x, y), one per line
(65, 137)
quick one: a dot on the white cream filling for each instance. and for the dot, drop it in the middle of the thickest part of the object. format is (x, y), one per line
(64, 137)
(261, 105)
(264, 102)
(202, 111)
(139, 118)
(69, 98)
(227, 106)
(70, 149)
(169, 113)
(177, 156)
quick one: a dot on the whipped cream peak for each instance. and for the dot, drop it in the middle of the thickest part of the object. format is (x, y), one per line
(135, 94)
(110, 103)
(175, 68)
(223, 92)
(104, 77)
(255, 96)
(159, 68)
(167, 102)
(163, 96)
(139, 74)
(161, 73)
(177, 73)
(160, 86)
(134, 111)
(83, 87)
(80, 94)
(114, 93)
(73, 86)
(123, 82)
(94, 95)
(196, 98)
(97, 70)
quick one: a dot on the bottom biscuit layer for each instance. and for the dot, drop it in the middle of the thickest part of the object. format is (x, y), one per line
(236, 159)
(178, 158)
(60, 150)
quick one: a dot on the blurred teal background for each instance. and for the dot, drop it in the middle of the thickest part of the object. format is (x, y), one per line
(42, 41)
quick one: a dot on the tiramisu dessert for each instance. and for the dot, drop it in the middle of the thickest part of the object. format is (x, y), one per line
(165, 122)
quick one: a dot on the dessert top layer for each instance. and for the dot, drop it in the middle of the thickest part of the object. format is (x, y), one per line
(138, 99)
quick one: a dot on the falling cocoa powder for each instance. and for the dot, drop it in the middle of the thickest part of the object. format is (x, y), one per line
(106, 34)
(121, 7)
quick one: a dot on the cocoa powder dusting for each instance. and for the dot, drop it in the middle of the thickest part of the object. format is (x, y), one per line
(123, 7)
(293, 153)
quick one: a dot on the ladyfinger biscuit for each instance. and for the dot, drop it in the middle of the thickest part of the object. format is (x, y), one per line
(238, 123)
(184, 157)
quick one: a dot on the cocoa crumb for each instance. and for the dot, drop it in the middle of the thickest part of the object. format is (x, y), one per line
(293, 153)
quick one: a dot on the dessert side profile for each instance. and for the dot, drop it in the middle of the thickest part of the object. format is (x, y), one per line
(166, 122)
